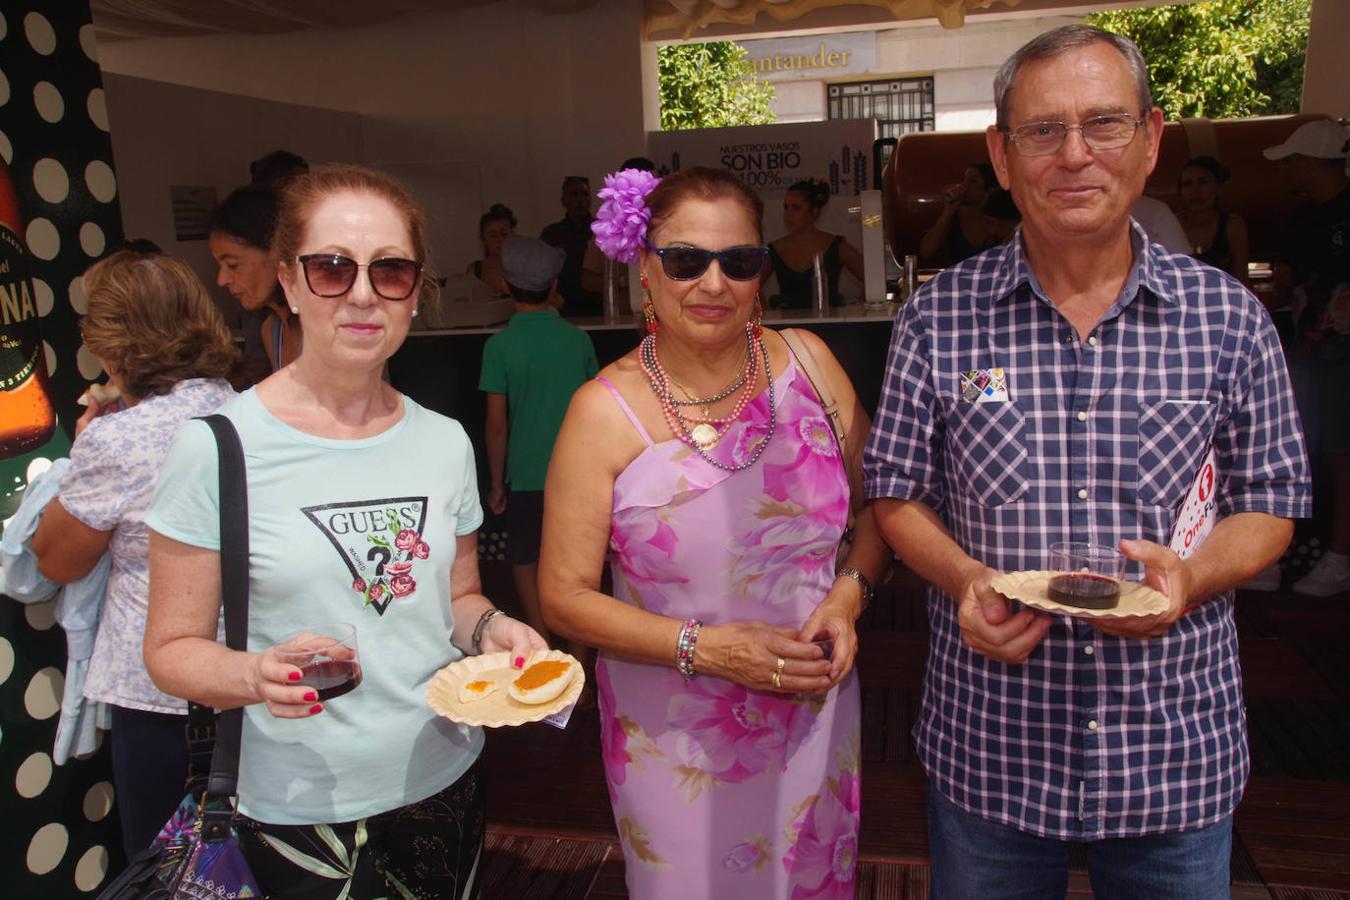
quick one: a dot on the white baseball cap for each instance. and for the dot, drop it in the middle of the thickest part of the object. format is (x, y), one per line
(1323, 139)
(529, 264)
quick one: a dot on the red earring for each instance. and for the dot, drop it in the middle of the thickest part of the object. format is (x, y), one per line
(649, 314)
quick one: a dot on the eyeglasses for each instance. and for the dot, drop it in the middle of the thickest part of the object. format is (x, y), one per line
(332, 275)
(1099, 133)
(687, 263)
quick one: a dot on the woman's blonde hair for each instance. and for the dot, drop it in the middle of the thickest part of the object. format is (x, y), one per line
(150, 319)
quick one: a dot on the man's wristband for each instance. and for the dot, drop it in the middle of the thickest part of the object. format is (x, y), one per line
(867, 591)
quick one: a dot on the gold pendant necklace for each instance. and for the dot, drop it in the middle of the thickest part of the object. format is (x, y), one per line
(704, 404)
(704, 435)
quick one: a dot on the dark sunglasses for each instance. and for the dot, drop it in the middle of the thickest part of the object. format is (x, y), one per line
(332, 275)
(687, 263)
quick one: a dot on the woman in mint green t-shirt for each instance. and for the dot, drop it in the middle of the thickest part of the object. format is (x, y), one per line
(363, 508)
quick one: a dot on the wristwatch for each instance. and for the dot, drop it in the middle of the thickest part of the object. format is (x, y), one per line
(867, 590)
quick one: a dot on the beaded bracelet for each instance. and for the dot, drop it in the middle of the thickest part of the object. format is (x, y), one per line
(478, 629)
(684, 648)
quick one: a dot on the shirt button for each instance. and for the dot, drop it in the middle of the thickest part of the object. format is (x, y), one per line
(1082, 493)
(1082, 417)
(1088, 650)
(1092, 725)
(1092, 341)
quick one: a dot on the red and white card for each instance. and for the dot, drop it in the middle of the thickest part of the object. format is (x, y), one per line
(1199, 512)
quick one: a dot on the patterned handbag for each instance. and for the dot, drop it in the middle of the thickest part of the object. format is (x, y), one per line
(196, 855)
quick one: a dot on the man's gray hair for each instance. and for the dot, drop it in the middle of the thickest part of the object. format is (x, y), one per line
(1060, 40)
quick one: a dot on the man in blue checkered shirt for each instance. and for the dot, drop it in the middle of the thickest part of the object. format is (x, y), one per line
(1067, 386)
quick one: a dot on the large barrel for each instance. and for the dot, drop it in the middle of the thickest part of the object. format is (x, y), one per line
(924, 163)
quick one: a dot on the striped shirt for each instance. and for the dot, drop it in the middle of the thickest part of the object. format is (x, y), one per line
(1095, 736)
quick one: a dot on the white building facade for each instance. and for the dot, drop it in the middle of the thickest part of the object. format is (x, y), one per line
(911, 77)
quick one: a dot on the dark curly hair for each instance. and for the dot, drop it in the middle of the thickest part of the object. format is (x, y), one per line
(497, 212)
(248, 215)
(815, 190)
(1210, 165)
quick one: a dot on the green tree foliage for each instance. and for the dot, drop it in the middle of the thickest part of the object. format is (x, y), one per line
(1221, 58)
(711, 85)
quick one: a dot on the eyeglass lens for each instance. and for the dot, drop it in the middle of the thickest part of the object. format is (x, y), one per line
(688, 263)
(332, 275)
(1100, 133)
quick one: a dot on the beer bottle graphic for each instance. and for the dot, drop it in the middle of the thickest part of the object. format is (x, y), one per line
(27, 417)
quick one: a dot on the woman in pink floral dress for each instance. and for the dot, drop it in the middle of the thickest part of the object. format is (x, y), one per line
(703, 466)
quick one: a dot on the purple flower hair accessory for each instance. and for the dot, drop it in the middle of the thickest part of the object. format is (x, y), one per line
(620, 227)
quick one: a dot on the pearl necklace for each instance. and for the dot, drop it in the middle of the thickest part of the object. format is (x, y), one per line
(705, 434)
(705, 403)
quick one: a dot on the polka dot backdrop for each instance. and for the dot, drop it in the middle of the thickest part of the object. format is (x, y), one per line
(58, 834)
(492, 539)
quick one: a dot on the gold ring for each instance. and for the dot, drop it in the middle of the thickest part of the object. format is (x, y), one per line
(777, 679)
(781, 662)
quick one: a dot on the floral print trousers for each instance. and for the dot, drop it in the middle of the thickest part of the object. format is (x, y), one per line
(423, 851)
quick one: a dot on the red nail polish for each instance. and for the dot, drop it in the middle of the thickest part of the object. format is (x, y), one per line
(520, 662)
(316, 708)
(311, 696)
(295, 676)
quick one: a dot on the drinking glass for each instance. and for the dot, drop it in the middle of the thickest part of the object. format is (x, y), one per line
(326, 656)
(1085, 575)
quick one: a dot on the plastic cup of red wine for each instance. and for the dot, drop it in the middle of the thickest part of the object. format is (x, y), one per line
(1085, 575)
(326, 656)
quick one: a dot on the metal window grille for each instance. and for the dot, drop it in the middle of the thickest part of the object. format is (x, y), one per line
(899, 105)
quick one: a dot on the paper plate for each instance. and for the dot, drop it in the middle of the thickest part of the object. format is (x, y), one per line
(499, 709)
(1032, 589)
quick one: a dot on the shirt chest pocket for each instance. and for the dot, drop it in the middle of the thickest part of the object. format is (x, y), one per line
(986, 443)
(1173, 440)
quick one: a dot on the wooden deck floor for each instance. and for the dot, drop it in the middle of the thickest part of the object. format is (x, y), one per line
(552, 834)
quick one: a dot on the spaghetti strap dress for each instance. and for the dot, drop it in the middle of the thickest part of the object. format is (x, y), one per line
(1219, 253)
(794, 285)
(719, 790)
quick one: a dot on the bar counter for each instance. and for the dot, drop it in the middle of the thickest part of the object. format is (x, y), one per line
(439, 368)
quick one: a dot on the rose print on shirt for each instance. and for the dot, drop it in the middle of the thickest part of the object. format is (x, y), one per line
(396, 576)
(380, 541)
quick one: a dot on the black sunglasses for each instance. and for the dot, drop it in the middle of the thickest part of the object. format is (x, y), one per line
(332, 275)
(687, 263)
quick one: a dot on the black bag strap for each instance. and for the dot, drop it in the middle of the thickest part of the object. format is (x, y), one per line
(201, 744)
(216, 817)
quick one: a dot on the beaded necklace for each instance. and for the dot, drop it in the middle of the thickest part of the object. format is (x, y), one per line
(705, 403)
(705, 433)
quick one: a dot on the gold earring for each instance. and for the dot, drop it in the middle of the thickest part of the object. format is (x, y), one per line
(757, 317)
(642, 280)
(653, 324)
